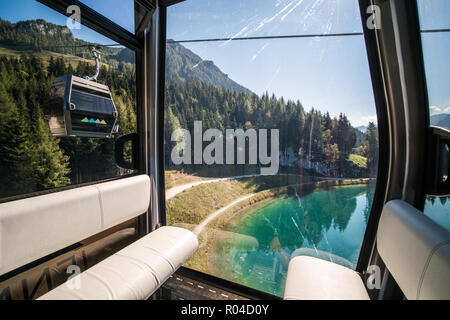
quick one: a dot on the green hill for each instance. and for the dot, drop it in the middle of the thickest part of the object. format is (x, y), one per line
(45, 56)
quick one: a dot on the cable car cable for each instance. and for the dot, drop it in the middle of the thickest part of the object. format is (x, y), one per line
(292, 36)
(63, 46)
(435, 30)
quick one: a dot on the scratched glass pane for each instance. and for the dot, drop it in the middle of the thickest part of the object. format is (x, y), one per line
(252, 18)
(434, 26)
(270, 144)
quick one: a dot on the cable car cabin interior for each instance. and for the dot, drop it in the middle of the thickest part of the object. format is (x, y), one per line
(224, 150)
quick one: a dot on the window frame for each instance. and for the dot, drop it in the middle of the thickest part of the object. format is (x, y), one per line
(111, 30)
(398, 61)
(384, 159)
(392, 128)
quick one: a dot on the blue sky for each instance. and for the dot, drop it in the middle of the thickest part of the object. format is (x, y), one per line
(17, 10)
(329, 74)
(435, 14)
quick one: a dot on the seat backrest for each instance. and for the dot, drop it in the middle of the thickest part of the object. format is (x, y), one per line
(35, 227)
(416, 251)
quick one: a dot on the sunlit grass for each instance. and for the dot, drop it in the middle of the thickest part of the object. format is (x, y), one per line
(45, 56)
(360, 161)
(175, 178)
(196, 203)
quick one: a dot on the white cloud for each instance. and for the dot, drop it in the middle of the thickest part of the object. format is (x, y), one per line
(362, 121)
(370, 118)
(434, 109)
(447, 110)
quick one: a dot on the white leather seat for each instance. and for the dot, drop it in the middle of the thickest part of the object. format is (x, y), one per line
(135, 272)
(35, 227)
(311, 278)
(415, 250)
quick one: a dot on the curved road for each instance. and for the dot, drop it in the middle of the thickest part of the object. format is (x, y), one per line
(172, 192)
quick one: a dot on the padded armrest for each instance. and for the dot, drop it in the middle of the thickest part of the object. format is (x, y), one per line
(135, 272)
(35, 227)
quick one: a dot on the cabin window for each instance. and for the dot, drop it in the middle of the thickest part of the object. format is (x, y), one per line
(271, 139)
(435, 32)
(36, 46)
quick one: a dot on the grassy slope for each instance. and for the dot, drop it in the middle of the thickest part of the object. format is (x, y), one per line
(175, 178)
(215, 233)
(196, 203)
(45, 56)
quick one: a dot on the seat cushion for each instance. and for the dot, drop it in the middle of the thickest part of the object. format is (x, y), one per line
(133, 273)
(311, 278)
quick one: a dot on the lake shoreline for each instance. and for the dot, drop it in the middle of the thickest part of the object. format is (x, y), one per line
(235, 213)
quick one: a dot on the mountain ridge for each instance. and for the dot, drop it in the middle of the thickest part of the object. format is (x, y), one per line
(441, 120)
(182, 64)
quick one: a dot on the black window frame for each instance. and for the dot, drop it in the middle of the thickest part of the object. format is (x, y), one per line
(99, 23)
(396, 61)
(378, 84)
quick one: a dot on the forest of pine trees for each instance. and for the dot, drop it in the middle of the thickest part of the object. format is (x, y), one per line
(317, 136)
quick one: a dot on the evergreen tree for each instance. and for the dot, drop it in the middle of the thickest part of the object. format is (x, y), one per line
(171, 124)
(50, 165)
(16, 173)
(372, 148)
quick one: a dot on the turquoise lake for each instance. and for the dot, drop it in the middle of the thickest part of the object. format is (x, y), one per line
(328, 224)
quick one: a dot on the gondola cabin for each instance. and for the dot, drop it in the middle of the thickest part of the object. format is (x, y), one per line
(80, 107)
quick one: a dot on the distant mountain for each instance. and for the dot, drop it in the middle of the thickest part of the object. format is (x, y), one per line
(363, 129)
(184, 65)
(441, 120)
(15, 32)
(360, 135)
(181, 63)
(37, 35)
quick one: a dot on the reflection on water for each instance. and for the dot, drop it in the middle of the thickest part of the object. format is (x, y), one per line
(328, 224)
